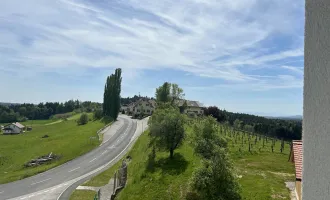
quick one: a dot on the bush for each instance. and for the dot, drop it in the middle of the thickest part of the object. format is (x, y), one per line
(215, 179)
(83, 119)
(98, 114)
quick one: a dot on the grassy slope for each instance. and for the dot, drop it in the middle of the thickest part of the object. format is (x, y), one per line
(83, 194)
(66, 139)
(263, 173)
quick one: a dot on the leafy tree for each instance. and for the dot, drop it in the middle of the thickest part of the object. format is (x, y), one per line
(169, 92)
(176, 92)
(166, 127)
(83, 119)
(98, 114)
(183, 107)
(163, 93)
(238, 124)
(215, 180)
(216, 113)
(206, 138)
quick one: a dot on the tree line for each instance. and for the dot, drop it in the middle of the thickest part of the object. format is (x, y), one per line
(21, 112)
(287, 129)
(135, 98)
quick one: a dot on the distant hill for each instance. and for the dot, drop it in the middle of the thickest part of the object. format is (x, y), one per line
(7, 104)
(294, 117)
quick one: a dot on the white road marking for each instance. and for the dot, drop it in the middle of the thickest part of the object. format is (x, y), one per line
(74, 169)
(31, 196)
(1, 192)
(104, 152)
(69, 183)
(111, 147)
(93, 160)
(41, 181)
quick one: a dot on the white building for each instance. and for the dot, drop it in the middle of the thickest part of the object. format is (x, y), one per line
(143, 106)
(192, 107)
(14, 128)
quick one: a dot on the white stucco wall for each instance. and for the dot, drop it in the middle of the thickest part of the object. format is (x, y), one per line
(145, 105)
(15, 129)
(194, 109)
(316, 122)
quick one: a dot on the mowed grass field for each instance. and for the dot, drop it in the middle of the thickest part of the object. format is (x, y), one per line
(262, 174)
(66, 138)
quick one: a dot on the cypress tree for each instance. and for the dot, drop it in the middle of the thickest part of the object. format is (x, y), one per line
(111, 98)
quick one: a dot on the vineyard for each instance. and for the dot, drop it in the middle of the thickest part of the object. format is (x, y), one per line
(261, 163)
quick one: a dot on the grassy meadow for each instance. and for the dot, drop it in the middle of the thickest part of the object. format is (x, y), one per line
(261, 172)
(66, 139)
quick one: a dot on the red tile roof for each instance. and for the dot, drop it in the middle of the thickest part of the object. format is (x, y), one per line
(297, 154)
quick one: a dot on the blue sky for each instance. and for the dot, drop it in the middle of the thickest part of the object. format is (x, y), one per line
(240, 55)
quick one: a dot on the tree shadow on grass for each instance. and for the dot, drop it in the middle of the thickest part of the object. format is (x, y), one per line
(172, 166)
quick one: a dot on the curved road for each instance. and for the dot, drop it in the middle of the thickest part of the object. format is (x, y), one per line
(60, 178)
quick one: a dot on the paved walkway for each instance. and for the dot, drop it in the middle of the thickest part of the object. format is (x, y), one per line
(291, 186)
(88, 188)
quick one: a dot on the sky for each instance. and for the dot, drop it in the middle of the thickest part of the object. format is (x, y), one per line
(240, 55)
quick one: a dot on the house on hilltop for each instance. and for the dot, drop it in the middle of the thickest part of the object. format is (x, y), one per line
(14, 128)
(192, 106)
(296, 156)
(143, 106)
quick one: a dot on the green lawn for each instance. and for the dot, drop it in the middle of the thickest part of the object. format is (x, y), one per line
(83, 194)
(262, 173)
(65, 138)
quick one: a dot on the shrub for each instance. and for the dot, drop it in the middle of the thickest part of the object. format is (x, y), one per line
(83, 119)
(98, 114)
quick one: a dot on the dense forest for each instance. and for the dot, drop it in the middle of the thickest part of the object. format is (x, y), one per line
(287, 129)
(21, 112)
(128, 100)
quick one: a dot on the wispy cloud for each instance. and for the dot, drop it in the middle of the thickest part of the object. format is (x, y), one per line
(183, 34)
(298, 70)
(233, 41)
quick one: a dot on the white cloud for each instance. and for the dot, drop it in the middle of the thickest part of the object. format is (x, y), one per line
(298, 70)
(260, 85)
(136, 35)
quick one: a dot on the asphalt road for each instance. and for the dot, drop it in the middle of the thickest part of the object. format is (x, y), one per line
(73, 171)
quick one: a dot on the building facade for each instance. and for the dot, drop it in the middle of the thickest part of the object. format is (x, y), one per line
(14, 128)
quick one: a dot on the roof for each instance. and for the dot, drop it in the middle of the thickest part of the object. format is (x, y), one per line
(16, 124)
(298, 155)
(19, 125)
(189, 103)
(151, 101)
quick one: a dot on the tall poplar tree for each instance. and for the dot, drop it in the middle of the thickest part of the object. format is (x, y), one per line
(111, 98)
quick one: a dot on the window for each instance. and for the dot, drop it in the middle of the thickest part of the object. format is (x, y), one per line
(148, 111)
(138, 110)
(147, 104)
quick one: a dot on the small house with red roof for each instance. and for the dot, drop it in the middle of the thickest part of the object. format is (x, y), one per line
(296, 157)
